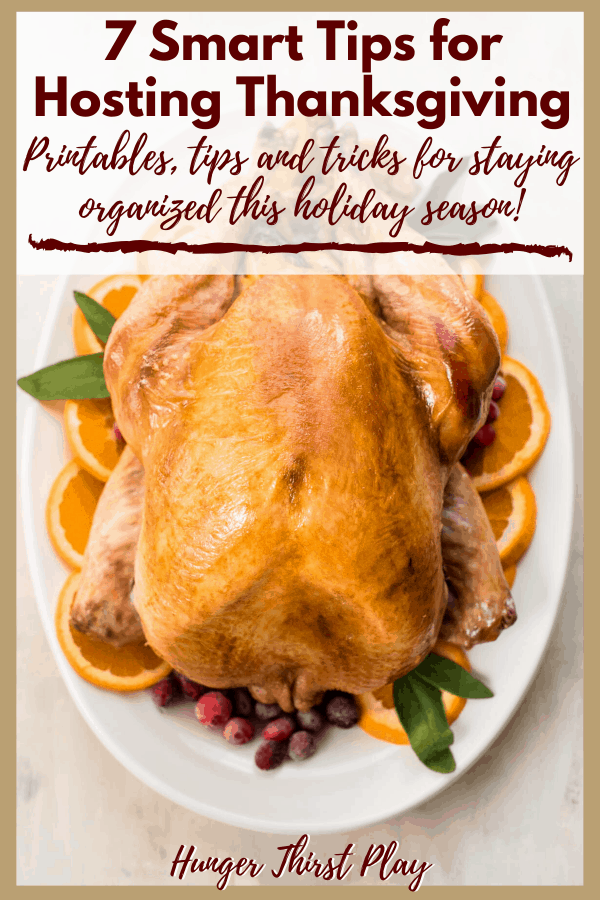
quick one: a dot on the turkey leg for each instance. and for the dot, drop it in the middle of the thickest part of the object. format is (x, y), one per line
(480, 604)
(103, 604)
(448, 347)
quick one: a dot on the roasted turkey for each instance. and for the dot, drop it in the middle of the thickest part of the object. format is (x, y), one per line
(290, 510)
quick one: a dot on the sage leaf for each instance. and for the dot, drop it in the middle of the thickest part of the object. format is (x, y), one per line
(421, 712)
(98, 317)
(442, 761)
(449, 676)
(80, 378)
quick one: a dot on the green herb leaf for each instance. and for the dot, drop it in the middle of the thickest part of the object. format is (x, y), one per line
(98, 317)
(72, 379)
(442, 761)
(421, 712)
(449, 676)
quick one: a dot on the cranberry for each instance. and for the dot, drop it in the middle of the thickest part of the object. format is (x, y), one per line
(117, 433)
(191, 690)
(499, 388)
(342, 711)
(279, 729)
(270, 754)
(493, 413)
(311, 720)
(243, 702)
(266, 711)
(485, 436)
(302, 745)
(238, 731)
(164, 692)
(213, 709)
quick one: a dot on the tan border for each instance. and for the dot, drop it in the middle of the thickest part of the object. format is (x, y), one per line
(7, 182)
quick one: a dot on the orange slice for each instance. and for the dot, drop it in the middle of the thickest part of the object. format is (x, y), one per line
(521, 431)
(510, 573)
(89, 425)
(115, 293)
(70, 510)
(129, 668)
(512, 512)
(497, 318)
(472, 276)
(379, 717)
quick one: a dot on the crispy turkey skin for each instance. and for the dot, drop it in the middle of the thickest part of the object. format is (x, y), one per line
(298, 437)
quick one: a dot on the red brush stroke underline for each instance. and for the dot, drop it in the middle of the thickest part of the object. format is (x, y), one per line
(472, 249)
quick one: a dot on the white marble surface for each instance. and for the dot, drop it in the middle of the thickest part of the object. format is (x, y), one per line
(515, 818)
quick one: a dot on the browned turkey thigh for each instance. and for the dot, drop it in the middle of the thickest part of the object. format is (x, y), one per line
(103, 603)
(482, 604)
